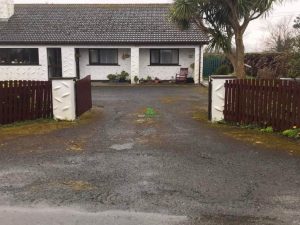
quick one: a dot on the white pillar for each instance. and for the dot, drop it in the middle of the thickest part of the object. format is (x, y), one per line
(197, 65)
(201, 63)
(218, 96)
(68, 62)
(135, 63)
(63, 97)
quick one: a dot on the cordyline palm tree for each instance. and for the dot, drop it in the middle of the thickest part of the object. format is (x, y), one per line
(225, 21)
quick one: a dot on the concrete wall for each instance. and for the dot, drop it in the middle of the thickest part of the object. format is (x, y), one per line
(36, 72)
(186, 58)
(101, 72)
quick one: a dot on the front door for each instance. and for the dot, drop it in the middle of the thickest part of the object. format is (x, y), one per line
(54, 62)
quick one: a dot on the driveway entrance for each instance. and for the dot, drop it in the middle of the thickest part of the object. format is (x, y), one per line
(148, 151)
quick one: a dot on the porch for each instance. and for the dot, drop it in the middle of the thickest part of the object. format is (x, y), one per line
(141, 62)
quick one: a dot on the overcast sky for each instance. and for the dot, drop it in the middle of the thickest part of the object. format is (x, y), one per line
(255, 35)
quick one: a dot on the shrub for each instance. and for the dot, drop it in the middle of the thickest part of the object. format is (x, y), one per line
(223, 70)
(136, 79)
(294, 66)
(112, 77)
(122, 76)
(267, 130)
(292, 133)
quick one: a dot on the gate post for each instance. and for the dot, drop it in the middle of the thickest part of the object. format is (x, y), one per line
(63, 97)
(217, 96)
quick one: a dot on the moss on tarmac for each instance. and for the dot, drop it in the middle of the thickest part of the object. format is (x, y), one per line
(255, 137)
(44, 126)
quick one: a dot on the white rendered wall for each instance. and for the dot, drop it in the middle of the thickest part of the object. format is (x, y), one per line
(6, 9)
(63, 95)
(68, 62)
(18, 72)
(101, 72)
(135, 63)
(202, 48)
(197, 65)
(40, 72)
(186, 58)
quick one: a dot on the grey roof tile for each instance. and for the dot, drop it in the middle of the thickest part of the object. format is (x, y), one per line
(95, 24)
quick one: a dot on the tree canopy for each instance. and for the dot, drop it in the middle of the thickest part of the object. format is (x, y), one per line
(224, 20)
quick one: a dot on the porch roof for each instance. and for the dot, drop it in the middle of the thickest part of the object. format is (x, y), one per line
(96, 24)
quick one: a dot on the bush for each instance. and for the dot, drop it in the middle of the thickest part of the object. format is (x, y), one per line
(267, 130)
(223, 70)
(267, 65)
(112, 77)
(136, 79)
(122, 77)
(292, 133)
(294, 66)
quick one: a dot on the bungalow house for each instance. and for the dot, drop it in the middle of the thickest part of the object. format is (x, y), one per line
(42, 41)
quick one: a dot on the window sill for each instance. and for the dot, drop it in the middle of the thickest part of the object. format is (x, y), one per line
(103, 65)
(165, 65)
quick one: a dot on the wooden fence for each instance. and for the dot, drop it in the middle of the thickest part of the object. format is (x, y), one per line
(83, 95)
(273, 103)
(25, 100)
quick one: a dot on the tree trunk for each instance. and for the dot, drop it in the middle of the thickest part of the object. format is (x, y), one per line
(232, 59)
(240, 56)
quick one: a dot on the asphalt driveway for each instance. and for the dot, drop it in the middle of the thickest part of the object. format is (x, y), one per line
(128, 168)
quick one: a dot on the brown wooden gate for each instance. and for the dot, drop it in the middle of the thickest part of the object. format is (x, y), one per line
(83, 95)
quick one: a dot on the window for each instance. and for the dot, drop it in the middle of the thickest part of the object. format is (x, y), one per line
(164, 56)
(19, 56)
(103, 56)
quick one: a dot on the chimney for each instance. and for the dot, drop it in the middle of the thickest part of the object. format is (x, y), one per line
(6, 9)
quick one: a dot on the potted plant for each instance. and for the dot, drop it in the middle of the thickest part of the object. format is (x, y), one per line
(112, 77)
(149, 79)
(123, 76)
(172, 79)
(136, 79)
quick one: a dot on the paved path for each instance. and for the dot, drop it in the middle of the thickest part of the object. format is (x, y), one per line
(127, 169)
